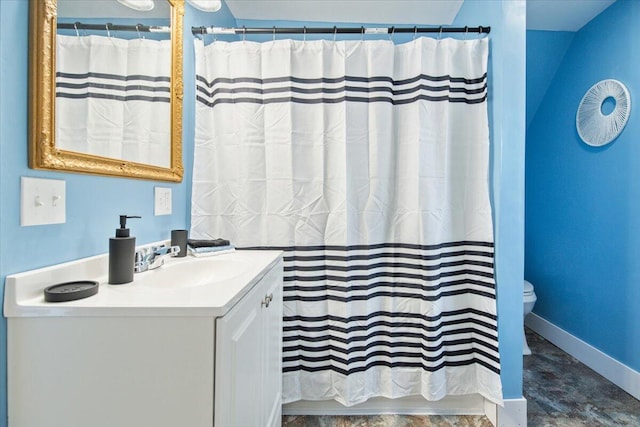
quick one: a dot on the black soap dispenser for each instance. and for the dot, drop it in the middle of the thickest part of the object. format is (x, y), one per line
(122, 253)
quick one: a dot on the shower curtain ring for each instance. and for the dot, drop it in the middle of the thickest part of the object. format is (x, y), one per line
(274, 33)
(391, 32)
(440, 33)
(335, 33)
(138, 31)
(75, 25)
(107, 27)
(244, 33)
(480, 30)
(362, 28)
(415, 32)
(466, 32)
(304, 36)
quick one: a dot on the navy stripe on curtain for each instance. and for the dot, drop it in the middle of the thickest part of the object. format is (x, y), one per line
(343, 274)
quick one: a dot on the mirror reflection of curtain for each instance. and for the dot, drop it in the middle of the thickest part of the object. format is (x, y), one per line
(113, 98)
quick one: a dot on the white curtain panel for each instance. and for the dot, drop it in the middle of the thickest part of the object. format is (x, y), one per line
(367, 163)
(113, 98)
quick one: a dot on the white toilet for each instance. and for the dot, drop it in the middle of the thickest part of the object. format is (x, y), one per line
(529, 301)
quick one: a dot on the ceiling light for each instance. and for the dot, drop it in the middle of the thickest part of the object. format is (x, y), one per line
(206, 5)
(142, 5)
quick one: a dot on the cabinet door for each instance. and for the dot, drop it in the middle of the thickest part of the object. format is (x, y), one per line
(272, 349)
(239, 365)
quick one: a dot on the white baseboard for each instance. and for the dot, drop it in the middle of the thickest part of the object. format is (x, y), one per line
(512, 414)
(413, 405)
(616, 372)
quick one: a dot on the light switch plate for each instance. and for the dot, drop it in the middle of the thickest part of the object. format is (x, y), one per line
(42, 201)
(162, 198)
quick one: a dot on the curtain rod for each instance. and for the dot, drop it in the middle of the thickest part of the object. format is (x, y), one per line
(339, 30)
(114, 27)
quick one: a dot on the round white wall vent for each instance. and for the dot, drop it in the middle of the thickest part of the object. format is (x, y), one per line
(603, 112)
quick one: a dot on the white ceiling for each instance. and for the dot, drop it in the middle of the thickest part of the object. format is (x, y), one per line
(563, 15)
(424, 12)
(551, 15)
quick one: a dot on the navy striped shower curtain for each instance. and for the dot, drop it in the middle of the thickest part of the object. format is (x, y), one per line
(113, 97)
(367, 163)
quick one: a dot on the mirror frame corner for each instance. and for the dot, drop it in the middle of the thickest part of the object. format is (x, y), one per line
(43, 153)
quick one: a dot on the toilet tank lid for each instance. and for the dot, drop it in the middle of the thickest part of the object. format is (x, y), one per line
(528, 287)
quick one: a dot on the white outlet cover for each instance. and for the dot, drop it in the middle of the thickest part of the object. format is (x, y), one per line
(162, 197)
(42, 201)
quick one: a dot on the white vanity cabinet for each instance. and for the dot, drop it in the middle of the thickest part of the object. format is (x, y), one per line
(184, 360)
(248, 383)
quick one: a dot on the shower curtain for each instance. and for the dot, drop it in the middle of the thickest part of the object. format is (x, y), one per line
(367, 163)
(113, 97)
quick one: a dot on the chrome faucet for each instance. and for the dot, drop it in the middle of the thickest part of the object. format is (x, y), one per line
(153, 257)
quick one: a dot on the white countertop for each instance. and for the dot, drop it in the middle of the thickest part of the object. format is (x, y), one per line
(207, 286)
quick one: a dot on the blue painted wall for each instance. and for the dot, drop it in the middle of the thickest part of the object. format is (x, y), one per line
(507, 125)
(545, 51)
(507, 130)
(583, 203)
(93, 202)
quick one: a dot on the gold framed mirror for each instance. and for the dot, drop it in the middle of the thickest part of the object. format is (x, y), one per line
(45, 153)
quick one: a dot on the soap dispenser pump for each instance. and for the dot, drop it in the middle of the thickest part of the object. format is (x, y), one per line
(122, 252)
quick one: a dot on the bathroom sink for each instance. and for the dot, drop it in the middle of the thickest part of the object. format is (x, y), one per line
(191, 272)
(188, 286)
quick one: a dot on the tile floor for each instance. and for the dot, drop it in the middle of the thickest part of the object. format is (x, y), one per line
(386, 421)
(560, 392)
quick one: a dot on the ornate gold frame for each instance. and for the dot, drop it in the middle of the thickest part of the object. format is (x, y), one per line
(43, 153)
